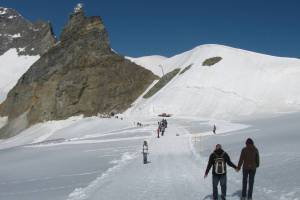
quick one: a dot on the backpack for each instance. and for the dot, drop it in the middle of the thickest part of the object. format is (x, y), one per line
(220, 164)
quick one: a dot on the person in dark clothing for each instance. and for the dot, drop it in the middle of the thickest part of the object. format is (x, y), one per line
(145, 152)
(165, 123)
(214, 129)
(162, 130)
(218, 160)
(249, 159)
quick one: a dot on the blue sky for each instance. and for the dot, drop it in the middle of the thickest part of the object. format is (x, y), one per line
(168, 27)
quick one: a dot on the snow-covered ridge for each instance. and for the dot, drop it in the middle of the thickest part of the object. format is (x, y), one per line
(241, 84)
(3, 10)
(151, 63)
(12, 67)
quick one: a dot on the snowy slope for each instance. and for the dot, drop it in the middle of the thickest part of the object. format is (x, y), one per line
(12, 67)
(241, 84)
(102, 160)
(151, 63)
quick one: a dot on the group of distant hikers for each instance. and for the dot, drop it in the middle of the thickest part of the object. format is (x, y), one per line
(249, 161)
(162, 125)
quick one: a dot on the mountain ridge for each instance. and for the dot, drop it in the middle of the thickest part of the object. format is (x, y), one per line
(27, 37)
(79, 75)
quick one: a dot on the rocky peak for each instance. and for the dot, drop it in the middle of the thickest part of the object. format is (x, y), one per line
(90, 28)
(27, 37)
(79, 75)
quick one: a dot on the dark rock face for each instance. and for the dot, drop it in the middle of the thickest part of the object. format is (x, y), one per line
(80, 75)
(29, 38)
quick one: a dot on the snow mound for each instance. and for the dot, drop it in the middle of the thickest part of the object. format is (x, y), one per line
(240, 84)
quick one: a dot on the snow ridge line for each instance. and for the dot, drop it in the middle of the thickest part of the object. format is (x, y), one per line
(84, 193)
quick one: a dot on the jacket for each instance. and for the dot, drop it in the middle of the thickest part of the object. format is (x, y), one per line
(249, 158)
(211, 161)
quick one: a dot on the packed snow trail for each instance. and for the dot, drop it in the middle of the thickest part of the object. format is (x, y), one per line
(172, 173)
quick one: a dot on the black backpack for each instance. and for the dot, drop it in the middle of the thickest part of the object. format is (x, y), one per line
(220, 163)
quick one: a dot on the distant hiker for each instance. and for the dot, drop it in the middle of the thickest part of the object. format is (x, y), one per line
(161, 124)
(165, 123)
(250, 160)
(214, 129)
(145, 152)
(162, 130)
(218, 160)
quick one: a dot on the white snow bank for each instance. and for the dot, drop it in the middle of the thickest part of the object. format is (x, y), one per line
(12, 67)
(71, 129)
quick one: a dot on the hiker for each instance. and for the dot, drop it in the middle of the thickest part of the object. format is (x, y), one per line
(214, 129)
(161, 124)
(249, 159)
(165, 123)
(145, 152)
(218, 160)
(162, 130)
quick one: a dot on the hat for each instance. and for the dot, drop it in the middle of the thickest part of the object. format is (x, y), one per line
(249, 141)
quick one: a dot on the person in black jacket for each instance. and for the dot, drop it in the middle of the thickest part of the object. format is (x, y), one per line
(218, 160)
